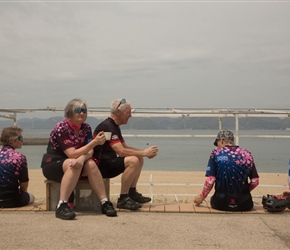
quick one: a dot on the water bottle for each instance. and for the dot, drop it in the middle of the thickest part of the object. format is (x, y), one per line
(289, 174)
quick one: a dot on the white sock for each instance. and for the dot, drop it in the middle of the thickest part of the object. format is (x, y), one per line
(60, 202)
(104, 200)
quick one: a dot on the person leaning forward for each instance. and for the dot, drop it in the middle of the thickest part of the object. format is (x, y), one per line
(116, 157)
(229, 169)
(69, 157)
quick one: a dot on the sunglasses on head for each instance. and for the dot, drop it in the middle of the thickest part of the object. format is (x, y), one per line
(81, 110)
(20, 138)
(123, 101)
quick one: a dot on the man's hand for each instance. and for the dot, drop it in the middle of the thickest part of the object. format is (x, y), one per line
(151, 151)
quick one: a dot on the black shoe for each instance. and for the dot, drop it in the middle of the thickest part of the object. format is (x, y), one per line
(64, 212)
(140, 198)
(128, 203)
(108, 209)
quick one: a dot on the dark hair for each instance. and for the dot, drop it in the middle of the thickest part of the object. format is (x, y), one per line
(9, 133)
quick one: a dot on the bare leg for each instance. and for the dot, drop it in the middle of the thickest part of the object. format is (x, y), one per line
(131, 174)
(69, 180)
(95, 178)
(138, 172)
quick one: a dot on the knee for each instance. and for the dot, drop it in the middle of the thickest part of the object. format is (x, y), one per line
(90, 166)
(134, 161)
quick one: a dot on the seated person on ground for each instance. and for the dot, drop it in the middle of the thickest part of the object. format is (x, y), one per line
(229, 168)
(13, 170)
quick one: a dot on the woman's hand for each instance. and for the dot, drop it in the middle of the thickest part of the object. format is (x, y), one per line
(100, 138)
(77, 163)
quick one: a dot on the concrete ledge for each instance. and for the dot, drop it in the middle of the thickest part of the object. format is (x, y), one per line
(85, 198)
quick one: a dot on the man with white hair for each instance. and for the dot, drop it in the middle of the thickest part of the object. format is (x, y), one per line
(116, 157)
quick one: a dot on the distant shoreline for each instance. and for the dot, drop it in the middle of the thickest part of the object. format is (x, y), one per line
(35, 141)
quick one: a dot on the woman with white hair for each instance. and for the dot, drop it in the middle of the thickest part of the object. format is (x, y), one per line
(69, 157)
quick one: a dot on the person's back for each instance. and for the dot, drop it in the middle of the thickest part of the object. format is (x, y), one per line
(11, 165)
(13, 170)
(232, 168)
(229, 169)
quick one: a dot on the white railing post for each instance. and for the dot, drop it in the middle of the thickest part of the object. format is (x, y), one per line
(237, 140)
(220, 123)
(151, 188)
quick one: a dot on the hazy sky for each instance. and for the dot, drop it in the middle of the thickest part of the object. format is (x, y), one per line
(162, 54)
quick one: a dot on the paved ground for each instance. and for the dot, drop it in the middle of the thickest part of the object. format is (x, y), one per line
(155, 226)
(143, 230)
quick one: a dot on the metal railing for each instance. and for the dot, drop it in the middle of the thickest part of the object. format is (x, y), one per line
(219, 113)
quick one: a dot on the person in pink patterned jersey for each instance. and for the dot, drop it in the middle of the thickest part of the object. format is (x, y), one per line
(13, 170)
(69, 158)
(231, 169)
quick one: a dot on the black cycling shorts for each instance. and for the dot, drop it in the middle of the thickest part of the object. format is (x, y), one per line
(19, 200)
(228, 202)
(53, 170)
(112, 167)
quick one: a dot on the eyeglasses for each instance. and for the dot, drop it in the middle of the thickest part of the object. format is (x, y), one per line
(20, 138)
(123, 101)
(80, 110)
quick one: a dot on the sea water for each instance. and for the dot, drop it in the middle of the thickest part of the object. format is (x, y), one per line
(180, 150)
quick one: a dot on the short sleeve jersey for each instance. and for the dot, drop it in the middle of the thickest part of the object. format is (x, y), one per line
(105, 151)
(63, 137)
(13, 170)
(232, 166)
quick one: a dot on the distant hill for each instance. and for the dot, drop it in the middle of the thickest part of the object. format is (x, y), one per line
(195, 123)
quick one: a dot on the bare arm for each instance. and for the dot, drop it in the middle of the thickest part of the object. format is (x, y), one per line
(124, 150)
(86, 150)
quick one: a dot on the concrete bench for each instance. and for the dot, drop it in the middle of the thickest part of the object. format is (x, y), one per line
(85, 197)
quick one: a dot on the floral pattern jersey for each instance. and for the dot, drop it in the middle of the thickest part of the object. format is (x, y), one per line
(232, 166)
(13, 170)
(63, 137)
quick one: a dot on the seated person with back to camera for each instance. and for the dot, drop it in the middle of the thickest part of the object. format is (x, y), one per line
(13, 170)
(229, 168)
